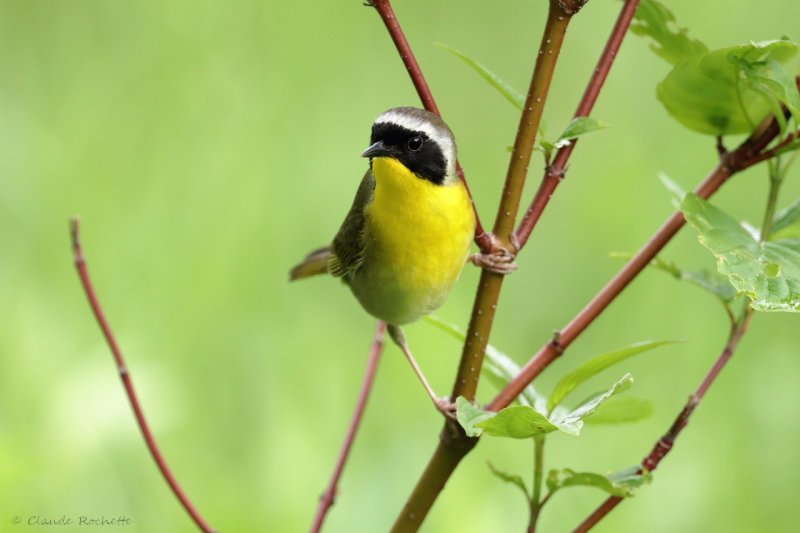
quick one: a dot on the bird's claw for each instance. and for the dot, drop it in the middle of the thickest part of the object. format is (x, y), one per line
(500, 261)
(446, 407)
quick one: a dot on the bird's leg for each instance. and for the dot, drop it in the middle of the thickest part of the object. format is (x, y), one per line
(443, 405)
(499, 260)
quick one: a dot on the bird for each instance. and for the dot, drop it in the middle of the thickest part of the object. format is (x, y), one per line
(407, 235)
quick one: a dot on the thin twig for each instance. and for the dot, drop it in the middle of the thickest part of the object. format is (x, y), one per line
(743, 157)
(329, 496)
(538, 472)
(779, 148)
(556, 171)
(80, 265)
(483, 240)
(738, 329)
(665, 443)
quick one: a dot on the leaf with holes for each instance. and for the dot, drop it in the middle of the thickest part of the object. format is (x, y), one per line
(768, 273)
(672, 43)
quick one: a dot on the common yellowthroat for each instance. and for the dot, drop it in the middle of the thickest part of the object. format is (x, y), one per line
(407, 235)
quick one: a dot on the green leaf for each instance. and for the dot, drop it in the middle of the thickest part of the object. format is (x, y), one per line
(498, 367)
(767, 76)
(767, 273)
(634, 477)
(469, 415)
(524, 422)
(786, 224)
(672, 43)
(571, 422)
(621, 410)
(510, 478)
(713, 282)
(517, 422)
(728, 90)
(596, 365)
(510, 94)
(580, 126)
(558, 479)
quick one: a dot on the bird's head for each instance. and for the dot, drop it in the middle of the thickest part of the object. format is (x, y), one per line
(419, 140)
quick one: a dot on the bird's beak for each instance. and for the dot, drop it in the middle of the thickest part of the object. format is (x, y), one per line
(379, 149)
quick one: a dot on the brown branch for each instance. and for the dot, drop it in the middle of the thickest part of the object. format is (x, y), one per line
(329, 496)
(555, 171)
(483, 240)
(745, 156)
(665, 443)
(454, 444)
(738, 329)
(80, 265)
(779, 148)
(490, 283)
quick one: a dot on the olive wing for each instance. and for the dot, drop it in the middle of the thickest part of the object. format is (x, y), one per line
(348, 245)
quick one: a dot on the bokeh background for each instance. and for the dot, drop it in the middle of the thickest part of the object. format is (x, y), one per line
(207, 146)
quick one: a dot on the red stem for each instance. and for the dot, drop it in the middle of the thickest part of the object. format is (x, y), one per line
(743, 157)
(329, 496)
(554, 173)
(665, 443)
(80, 265)
(483, 240)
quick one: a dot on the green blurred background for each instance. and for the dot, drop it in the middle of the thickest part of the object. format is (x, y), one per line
(207, 146)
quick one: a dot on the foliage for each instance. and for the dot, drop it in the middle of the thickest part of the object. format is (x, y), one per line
(672, 43)
(728, 91)
(577, 127)
(622, 484)
(767, 273)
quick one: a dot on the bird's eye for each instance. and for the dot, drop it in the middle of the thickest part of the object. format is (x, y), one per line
(415, 143)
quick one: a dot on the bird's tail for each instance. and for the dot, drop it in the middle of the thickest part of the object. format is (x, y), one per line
(315, 263)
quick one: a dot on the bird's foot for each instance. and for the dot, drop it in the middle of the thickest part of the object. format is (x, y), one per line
(498, 263)
(498, 259)
(445, 406)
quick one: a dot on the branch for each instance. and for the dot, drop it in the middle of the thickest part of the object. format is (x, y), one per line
(738, 328)
(555, 172)
(454, 444)
(786, 144)
(80, 265)
(745, 156)
(483, 240)
(480, 324)
(329, 496)
(665, 443)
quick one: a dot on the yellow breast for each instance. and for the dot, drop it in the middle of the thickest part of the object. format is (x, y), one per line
(418, 236)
